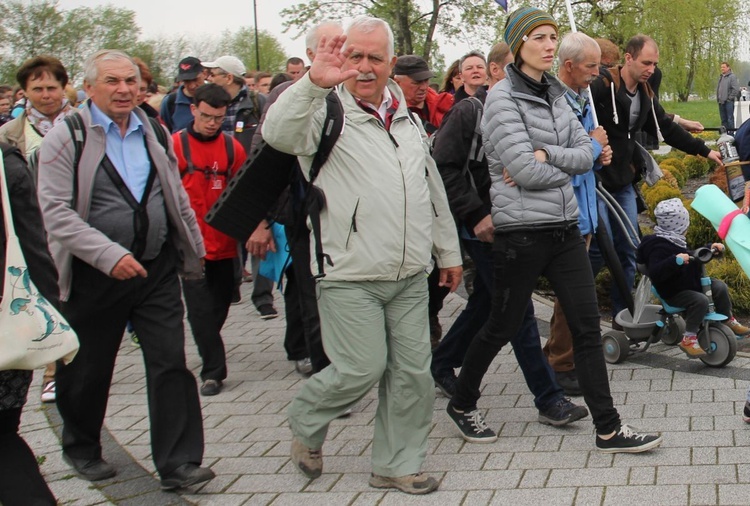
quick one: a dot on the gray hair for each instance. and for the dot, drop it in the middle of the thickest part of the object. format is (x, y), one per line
(367, 24)
(573, 47)
(91, 66)
(312, 39)
(470, 54)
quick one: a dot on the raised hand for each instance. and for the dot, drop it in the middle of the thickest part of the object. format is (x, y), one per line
(326, 67)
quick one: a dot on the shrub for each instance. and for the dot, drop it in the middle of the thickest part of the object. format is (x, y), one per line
(719, 178)
(675, 154)
(677, 169)
(707, 136)
(660, 191)
(728, 270)
(696, 166)
(670, 179)
(700, 232)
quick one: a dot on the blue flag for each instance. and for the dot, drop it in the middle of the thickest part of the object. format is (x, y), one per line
(503, 4)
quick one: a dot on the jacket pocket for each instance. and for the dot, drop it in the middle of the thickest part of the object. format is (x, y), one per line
(353, 223)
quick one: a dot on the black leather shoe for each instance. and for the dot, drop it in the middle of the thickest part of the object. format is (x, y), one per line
(186, 475)
(92, 470)
(211, 387)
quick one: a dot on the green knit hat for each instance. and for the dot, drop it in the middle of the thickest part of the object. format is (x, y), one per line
(521, 23)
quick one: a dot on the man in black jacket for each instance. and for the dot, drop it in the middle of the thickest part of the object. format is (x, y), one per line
(626, 104)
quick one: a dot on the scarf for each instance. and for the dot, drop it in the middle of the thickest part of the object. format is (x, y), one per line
(672, 220)
(42, 123)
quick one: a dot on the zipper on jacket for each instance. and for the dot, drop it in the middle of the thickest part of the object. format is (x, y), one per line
(353, 225)
(403, 187)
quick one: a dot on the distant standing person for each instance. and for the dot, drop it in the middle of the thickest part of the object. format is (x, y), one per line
(727, 92)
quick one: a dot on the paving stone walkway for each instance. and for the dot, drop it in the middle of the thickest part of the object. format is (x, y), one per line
(703, 461)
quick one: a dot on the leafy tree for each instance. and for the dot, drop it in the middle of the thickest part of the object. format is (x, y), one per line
(415, 23)
(41, 27)
(242, 45)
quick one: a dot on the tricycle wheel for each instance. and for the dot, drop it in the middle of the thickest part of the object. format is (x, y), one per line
(723, 345)
(616, 347)
(674, 330)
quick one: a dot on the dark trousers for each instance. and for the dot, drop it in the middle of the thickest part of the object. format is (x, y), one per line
(696, 304)
(21, 483)
(98, 308)
(262, 293)
(526, 342)
(207, 301)
(520, 258)
(303, 337)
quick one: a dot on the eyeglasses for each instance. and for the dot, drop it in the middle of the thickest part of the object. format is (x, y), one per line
(210, 117)
(216, 74)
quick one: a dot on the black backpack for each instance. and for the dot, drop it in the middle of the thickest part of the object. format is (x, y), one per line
(265, 174)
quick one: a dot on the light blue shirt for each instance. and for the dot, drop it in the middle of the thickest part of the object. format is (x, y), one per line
(128, 154)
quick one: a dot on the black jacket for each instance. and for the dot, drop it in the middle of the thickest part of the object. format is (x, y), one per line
(626, 165)
(27, 220)
(451, 150)
(659, 257)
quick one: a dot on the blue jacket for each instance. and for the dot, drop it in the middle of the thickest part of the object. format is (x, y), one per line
(584, 185)
(182, 116)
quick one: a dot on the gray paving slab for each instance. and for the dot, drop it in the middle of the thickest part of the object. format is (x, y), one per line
(703, 459)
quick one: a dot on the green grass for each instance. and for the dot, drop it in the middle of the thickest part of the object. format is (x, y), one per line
(705, 111)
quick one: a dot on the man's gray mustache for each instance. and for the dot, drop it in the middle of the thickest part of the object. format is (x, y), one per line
(367, 77)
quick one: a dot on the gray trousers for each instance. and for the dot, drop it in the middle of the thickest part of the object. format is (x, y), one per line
(373, 331)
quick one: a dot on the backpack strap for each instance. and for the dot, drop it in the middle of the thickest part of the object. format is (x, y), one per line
(161, 135)
(476, 152)
(78, 135)
(315, 199)
(185, 142)
(171, 106)
(229, 146)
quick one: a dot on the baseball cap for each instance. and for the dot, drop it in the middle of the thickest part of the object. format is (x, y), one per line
(189, 68)
(229, 64)
(412, 66)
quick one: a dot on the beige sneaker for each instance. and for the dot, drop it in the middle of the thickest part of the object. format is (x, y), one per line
(689, 345)
(739, 329)
(411, 483)
(307, 460)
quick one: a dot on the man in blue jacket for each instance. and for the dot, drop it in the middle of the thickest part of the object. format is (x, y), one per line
(175, 109)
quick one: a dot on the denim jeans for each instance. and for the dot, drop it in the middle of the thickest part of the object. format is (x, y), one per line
(625, 252)
(520, 259)
(526, 342)
(726, 112)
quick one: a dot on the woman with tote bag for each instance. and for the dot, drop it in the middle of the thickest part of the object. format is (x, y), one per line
(21, 482)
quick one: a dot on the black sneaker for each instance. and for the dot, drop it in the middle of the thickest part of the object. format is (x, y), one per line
(562, 413)
(211, 387)
(267, 312)
(627, 440)
(746, 413)
(447, 385)
(472, 426)
(568, 381)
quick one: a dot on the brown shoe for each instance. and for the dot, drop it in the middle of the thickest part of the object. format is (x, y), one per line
(739, 329)
(307, 460)
(411, 483)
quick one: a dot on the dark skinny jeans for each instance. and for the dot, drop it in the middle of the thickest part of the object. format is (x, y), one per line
(520, 258)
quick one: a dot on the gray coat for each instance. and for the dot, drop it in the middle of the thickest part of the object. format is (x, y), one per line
(515, 124)
(69, 232)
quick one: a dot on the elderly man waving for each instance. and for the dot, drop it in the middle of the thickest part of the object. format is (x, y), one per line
(386, 211)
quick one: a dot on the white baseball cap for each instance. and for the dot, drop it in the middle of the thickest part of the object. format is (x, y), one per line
(229, 64)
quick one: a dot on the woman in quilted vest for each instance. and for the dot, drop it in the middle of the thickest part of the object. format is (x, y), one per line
(534, 145)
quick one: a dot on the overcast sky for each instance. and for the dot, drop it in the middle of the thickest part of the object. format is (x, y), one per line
(196, 17)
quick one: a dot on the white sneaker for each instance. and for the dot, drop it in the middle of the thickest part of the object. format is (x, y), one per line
(48, 392)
